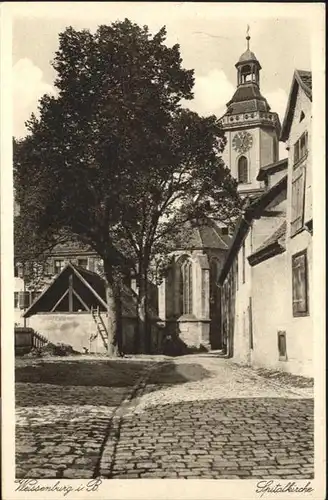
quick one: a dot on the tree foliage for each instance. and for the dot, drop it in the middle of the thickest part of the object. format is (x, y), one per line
(115, 159)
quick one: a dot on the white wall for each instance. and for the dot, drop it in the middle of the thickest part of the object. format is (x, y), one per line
(300, 329)
(269, 311)
(242, 334)
(73, 329)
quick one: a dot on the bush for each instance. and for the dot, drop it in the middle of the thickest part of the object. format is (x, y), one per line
(51, 349)
(174, 346)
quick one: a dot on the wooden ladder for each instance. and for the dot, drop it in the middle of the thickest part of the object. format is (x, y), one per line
(101, 328)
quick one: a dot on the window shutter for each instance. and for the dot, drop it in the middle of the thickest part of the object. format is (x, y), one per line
(299, 282)
(298, 198)
(24, 300)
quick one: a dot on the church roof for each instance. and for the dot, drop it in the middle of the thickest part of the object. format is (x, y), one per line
(301, 79)
(247, 98)
(206, 235)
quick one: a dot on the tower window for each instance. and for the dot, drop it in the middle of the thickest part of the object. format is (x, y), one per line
(243, 170)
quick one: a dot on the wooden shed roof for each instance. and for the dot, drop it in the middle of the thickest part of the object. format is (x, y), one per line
(88, 289)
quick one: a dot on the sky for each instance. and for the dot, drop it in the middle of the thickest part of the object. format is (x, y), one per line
(211, 38)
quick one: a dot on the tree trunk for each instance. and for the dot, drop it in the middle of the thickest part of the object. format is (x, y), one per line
(143, 320)
(119, 328)
(112, 312)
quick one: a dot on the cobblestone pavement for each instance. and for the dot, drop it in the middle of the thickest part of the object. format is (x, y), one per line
(227, 422)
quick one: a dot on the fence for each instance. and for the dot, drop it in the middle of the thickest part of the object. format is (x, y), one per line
(27, 339)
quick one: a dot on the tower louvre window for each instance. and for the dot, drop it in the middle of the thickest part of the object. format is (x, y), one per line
(243, 170)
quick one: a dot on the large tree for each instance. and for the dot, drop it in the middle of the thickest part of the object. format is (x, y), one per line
(116, 160)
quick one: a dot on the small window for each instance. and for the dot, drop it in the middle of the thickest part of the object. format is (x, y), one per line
(59, 265)
(50, 267)
(302, 116)
(16, 300)
(18, 270)
(282, 346)
(243, 170)
(82, 263)
(300, 284)
(301, 147)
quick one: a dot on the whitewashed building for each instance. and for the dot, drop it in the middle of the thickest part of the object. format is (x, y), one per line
(266, 279)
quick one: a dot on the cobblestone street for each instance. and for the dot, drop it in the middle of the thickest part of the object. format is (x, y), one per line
(191, 417)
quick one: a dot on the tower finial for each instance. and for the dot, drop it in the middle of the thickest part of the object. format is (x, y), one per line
(247, 37)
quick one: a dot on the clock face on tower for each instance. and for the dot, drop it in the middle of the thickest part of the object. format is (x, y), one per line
(242, 142)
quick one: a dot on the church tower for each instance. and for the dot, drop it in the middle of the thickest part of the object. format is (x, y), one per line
(251, 129)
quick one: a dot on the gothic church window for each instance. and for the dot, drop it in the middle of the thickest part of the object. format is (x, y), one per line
(186, 284)
(243, 170)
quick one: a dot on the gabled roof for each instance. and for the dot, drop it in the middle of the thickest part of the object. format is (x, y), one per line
(305, 78)
(273, 245)
(58, 285)
(301, 79)
(255, 209)
(271, 169)
(88, 286)
(206, 235)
